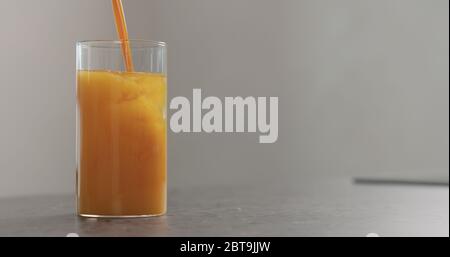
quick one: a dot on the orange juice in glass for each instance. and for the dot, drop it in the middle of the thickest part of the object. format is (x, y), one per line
(121, 129)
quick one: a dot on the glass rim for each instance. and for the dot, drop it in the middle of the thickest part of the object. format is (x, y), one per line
(117, 43)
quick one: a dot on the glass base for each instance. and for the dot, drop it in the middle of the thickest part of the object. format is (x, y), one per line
(120, 216)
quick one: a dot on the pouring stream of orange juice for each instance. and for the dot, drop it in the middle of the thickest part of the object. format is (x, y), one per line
(122, 32)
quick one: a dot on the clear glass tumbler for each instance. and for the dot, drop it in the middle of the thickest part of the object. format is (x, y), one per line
(121, 130)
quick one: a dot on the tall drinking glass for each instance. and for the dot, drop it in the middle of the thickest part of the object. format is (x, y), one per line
(121, 130)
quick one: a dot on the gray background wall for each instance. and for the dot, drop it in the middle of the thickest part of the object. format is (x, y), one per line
(363, 86)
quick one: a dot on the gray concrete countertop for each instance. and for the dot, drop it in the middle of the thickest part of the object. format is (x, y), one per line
(323, 207)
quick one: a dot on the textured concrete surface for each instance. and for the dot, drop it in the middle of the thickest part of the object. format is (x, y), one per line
(321, 207)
